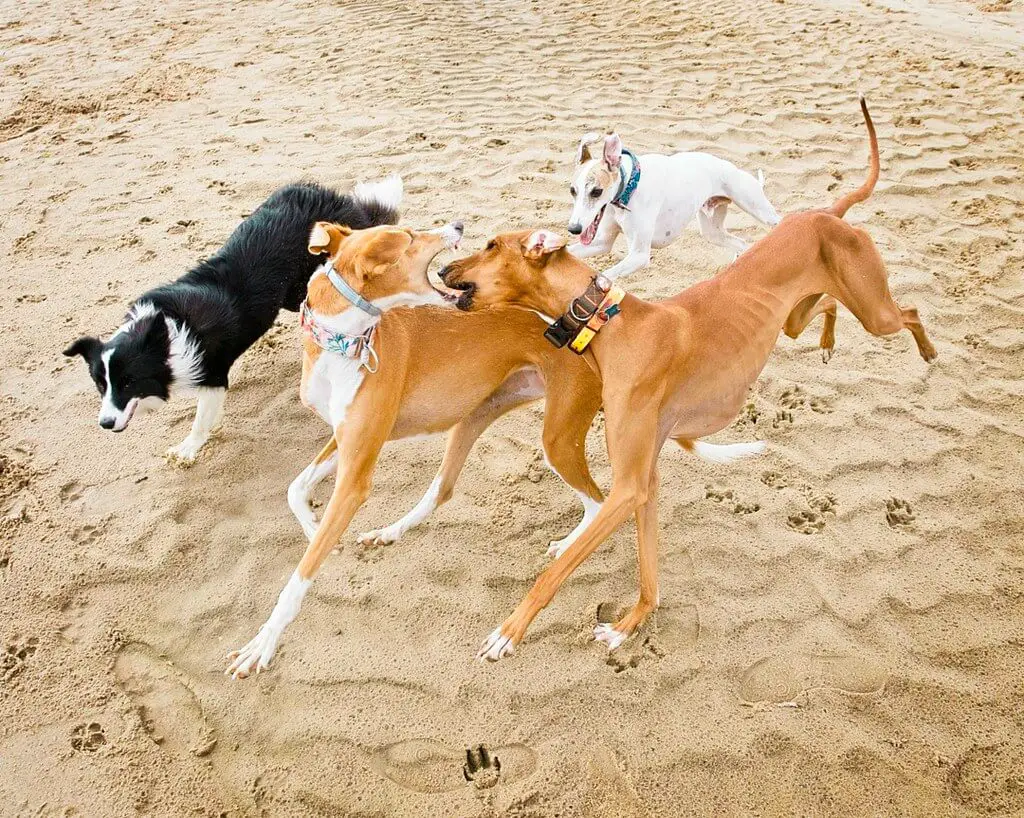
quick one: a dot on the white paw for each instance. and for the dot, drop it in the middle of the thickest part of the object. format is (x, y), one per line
(607, 634)
(557, 547)
(184, 454)
(495, 647)
(826, 355)
(255, 656)
(381, 536)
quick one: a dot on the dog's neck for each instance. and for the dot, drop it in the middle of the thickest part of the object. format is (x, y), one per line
(184, 354)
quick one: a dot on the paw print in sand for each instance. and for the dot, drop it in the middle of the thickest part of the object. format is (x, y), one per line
(898, 513)
(482, 770)
(88, 738)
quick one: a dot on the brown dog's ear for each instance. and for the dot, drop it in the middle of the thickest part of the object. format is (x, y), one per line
(326, 237)
(384, 250)
(583, 149)
(542, 242)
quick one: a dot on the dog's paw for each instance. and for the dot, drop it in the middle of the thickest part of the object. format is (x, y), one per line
(184, 454)
(255, 656)
(557, 547)
(381, 536)
(496, 646)
(827, 353)
(605, 632)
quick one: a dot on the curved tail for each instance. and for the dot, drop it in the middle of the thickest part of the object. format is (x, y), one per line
(721, 452)
(860, 194)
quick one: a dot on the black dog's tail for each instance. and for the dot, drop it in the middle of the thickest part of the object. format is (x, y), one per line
(381, 199)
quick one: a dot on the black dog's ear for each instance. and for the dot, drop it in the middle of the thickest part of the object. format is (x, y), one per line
(153, 329)
(86, 346)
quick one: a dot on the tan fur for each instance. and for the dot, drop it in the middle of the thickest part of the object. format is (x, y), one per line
(681, 368)
(439, 369)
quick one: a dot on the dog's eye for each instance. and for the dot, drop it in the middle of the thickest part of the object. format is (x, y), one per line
(597, 191)
(572, 192)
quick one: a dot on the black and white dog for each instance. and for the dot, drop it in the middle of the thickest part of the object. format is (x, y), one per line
(184, 336)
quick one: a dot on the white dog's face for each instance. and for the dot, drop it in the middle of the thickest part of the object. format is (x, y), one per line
(594, 185)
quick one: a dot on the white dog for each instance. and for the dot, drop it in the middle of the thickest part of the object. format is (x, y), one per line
(651, 199)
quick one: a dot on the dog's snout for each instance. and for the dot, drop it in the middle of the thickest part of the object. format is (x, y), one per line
(107, 423)
(459, 227)
(575, 228)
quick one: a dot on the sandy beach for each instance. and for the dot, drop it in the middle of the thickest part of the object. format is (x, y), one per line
(842, 618)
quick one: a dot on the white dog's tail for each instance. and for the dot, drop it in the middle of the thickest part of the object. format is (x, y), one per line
(760, 178)
(385, 194)
(722, 453)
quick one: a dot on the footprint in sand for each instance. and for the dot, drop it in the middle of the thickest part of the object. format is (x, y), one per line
(898, 513)
(669, 636)
(727, 497)
(12, 660)
(424, 765)
(88, 738)
(991, 779)
(169, 710)
(782, 679)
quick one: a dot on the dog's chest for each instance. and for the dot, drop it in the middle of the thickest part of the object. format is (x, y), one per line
(331, 386)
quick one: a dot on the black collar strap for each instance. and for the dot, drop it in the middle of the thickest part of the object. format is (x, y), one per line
(581, 310)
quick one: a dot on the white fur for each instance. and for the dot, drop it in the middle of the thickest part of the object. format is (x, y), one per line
(394, 532)
(728, 452)
(672, 190)
(209, 415)
(495, 647)
(611, 637)
(387, 192)
(590, 508)
(186, 357)
(256, 655)
(302, 487)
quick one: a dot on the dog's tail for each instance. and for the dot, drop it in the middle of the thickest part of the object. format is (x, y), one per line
(850, 199)
(760, 178)
(721, 453)
(381, 198)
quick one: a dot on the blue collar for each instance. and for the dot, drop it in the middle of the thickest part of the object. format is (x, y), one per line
(627, 186)
(351, 295)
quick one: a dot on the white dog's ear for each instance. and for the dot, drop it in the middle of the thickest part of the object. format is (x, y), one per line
(612, 150)
(541, 242)
(583, 149)
(326, 237)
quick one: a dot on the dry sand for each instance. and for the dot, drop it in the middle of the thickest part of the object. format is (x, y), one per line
(869, 568)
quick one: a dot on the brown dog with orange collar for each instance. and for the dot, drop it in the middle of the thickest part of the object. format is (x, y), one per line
(680, 368)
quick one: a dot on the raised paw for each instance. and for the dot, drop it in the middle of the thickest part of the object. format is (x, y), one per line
(255, 656)
(605, 632)
(496, 646)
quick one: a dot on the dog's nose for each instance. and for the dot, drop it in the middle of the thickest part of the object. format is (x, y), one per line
(459, 227)
(575, 228)
(444, 273)
(107, 423)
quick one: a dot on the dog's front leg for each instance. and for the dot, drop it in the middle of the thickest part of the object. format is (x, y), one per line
(209, 414)
(638, 257)
(357, 456)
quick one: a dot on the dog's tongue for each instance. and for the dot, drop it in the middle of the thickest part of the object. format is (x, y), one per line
(591, 231)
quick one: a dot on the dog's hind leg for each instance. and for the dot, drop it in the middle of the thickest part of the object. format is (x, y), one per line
(747, 193)
(711, 221)
(862, 285)
(568, 413)
(323, 465)
(519, 388)
(805, 312)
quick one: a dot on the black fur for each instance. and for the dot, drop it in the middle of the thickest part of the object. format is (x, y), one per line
(232, 298)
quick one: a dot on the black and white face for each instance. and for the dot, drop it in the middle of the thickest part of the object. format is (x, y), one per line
(131, 371)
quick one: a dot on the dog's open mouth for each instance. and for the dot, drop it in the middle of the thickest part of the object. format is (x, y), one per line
(587, 235)
(460, 294)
